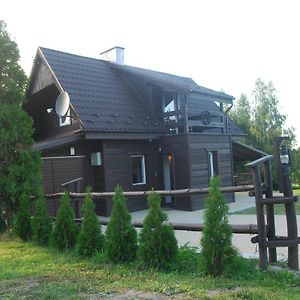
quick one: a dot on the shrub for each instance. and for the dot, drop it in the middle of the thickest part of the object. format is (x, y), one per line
(3, 225)
(121, 237)
(216, 242)
(188, 260)
(65, 229)
(23, 220)
(41, 223)
(90, 239)
(157, 243)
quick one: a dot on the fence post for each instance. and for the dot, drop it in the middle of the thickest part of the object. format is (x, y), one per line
(270, 209)
(261, 227)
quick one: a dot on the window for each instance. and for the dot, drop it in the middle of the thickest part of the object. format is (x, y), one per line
(213, 167)
(138, 169)
(72, 150)
(96, 159)
(65, 120)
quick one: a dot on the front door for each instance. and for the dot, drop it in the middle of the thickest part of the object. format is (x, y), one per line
(168, 175)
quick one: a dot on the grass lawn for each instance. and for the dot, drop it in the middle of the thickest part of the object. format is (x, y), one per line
(278, 208)
(31, 272)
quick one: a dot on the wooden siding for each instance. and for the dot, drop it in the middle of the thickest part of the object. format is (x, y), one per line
(197, 104)
(199, 146)
(117, 168)
(47, 125)
(92, 176)
(178, 146)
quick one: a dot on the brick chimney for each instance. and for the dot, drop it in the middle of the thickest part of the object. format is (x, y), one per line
(115, 54)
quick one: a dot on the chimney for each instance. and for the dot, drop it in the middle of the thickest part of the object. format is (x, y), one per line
(115, 54)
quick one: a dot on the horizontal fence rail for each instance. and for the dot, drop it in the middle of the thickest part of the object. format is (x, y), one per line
(250, 229)
(181, 192)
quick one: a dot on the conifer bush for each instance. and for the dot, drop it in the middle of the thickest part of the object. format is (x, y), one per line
(23, 219)
(216, 241)
(41, 222)
(65, 230)
(121, 236)
(90, 238)
(157, 242)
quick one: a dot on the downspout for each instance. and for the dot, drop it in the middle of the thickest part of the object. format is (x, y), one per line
(226, 113)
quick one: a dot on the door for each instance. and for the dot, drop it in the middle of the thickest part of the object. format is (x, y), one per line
(168, 175)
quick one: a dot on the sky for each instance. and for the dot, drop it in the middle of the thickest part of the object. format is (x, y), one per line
(223, 45)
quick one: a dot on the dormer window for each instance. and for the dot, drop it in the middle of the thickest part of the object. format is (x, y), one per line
(65, 120)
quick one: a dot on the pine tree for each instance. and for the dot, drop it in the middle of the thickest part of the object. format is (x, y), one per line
(216, 240)
(157, 243)
(41, 223)
(23, 220)
(65, 230)
(121, 237)
(90, 238)
(20, 165)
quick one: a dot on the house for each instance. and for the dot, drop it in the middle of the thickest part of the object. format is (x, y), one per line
(138, 128)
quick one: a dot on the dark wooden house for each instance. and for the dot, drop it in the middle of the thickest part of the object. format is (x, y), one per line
(138, 128)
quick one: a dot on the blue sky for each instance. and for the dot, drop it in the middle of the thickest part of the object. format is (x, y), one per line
(224, 45)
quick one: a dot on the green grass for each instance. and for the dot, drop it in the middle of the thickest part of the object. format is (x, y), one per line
(278, 208)
(31, 272)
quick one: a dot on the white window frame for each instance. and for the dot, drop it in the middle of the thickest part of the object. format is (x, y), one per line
(211, 165)
(143, 169)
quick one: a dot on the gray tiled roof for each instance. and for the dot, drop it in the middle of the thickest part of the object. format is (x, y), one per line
(102, 99)
(184, 84)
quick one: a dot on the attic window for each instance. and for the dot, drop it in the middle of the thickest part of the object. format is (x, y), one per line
(65, 120)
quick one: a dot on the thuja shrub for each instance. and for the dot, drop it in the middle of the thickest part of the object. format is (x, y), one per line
(216, 241)
(121, 237)
(90, 240)
(23, 219)
(41, 223)
(157, 242)
(65, 230)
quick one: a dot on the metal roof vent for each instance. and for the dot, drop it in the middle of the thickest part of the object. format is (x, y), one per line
(115, 54)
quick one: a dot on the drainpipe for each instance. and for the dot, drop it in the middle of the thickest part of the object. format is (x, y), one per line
(226, 113)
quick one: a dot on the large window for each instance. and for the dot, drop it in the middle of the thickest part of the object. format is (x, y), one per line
(138, 169)
(213, 163)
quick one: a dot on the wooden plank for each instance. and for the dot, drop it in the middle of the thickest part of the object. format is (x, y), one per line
(278, 200)
(282, 243)
(263, 260)
(242, 229)
(181, 192)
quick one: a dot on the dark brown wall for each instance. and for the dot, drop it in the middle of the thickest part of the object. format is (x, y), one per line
(117, 168)
(199, 145)
(178, 146)
(65, 168)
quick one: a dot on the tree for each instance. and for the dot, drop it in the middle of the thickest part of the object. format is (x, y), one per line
(241, 113)
(157, 243)
(41, 222)
(90, 238)
(216, 240)
(23, 221)
(121, 237)
(260, 117)
(295, 163)
(12, 78)
(65, 230)
(19, 164)
(268, 121)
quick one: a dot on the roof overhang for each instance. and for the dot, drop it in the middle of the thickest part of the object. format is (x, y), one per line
(242, 152)
(54, 143)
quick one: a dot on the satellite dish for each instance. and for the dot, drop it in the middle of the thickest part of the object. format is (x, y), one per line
(62, 104)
